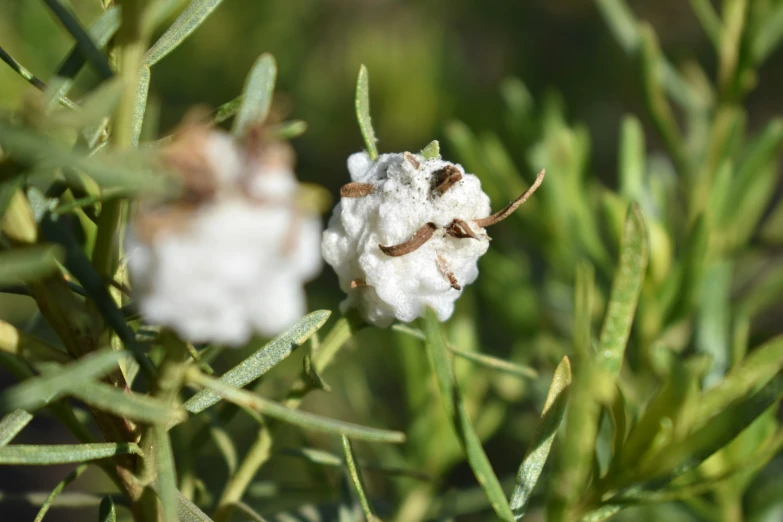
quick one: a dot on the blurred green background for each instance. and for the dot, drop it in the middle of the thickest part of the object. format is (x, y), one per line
(430, 62)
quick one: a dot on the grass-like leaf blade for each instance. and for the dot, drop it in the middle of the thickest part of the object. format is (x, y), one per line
(626, 288)
(263, 360)
(187, 22)
(140, 104)
(134, 406)
(39, 391)
(458, 415)
(363, 113)
(257, 95)
(302, 419)
(73, 475)
(83, 39)
(187, 511)
(356, 477)
(45, 455)
(551, 416)
(28, 264)
(12, 424)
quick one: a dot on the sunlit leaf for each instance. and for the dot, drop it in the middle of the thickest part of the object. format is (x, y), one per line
(167, 473)
(57, 490)
(458, 415)
(431, 151)
(363, 113)
(134, 406)
(551, 417)
(39, 391)
(263, 360)
(34, 455)
(302, 419)
(257, 95)
(12, 424)
(187, 22)
(626, 287)
(358, 483)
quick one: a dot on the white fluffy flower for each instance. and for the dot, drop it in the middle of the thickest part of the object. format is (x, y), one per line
(230, 259)
(407, 235)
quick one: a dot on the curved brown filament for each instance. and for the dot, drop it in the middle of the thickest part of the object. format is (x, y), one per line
(356, 190)
(499, 216)
(460, 230)
(419, 238)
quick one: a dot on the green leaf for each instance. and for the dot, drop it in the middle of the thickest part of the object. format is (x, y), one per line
(12, 424)
(227, 110)
(621, 22)
(57, 490)
(288, 130)
(767, 38)
(106, 169)
(745, 378)
(363, 113)
(189, 512)
(584, 299)
(39, 391)
(257, 95)
(551, 417)
(632, 159)
(34, 455)
(458, 415)
(626, 287)
(106, 511)
(431, 151)
(192, 17)
(709, 20)
(100, 32)
(140, 104)
(245, 399)
(133, 406)
(263, 360)
(28, 264)
(167, 473)
(358, 482)
(83, 39)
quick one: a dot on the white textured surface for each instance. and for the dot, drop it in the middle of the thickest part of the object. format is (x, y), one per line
(237, 266)
(402, 287)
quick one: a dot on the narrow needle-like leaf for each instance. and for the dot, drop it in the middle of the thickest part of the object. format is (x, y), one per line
(458, 415)
(192, 17)
(626, 287)
(257, 95)
(57, 490)
(305, 420)
(12, 424)
(39, 391)
(356, 478)
(263, 360)
(363, 113)
(536, 457)
(30, 455)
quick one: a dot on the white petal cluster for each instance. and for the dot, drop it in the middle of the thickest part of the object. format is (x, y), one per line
(403, 195)
(233, 263)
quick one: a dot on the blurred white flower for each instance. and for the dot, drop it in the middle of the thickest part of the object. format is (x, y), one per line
(229, 258)
(407, 235)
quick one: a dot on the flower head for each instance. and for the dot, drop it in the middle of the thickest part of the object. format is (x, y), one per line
(229, 257)
(407, 235)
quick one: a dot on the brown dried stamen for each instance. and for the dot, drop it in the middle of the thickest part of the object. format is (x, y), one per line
(407, 156)
(499, 216)
(357, 190)
(450, 277)
(444, 179)
(460, 230)
(359, 283)
(419, 238)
